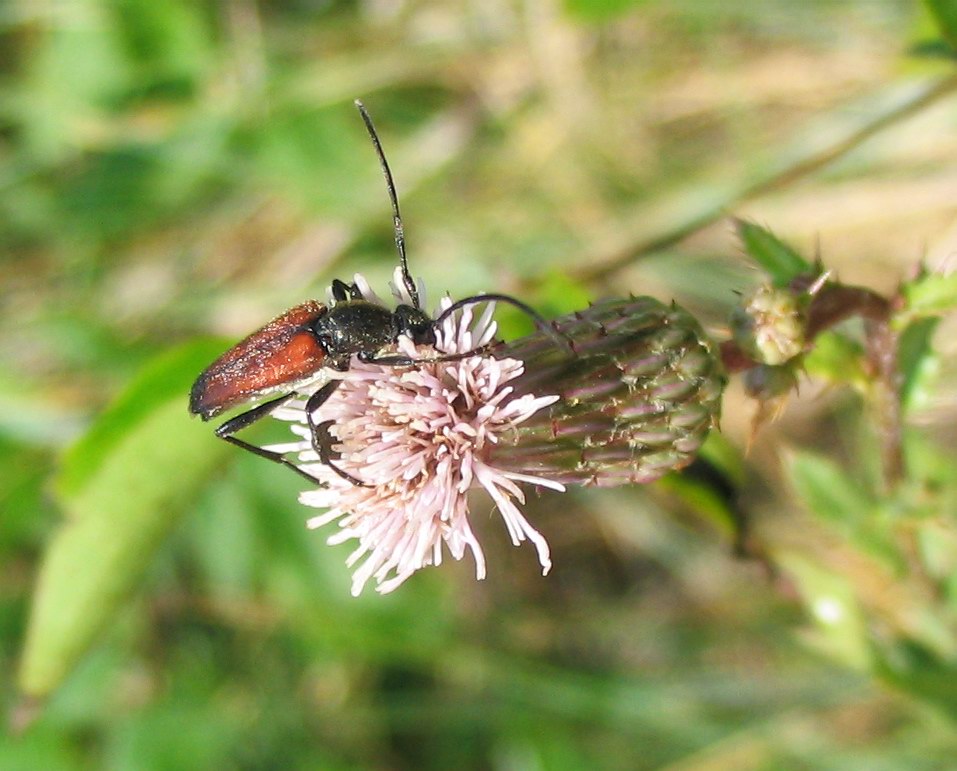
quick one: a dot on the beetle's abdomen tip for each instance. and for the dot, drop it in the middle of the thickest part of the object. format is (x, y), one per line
(200, 402)
(277, 356)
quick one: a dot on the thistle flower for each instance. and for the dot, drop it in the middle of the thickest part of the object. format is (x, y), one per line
(418, 437)
(634, 399)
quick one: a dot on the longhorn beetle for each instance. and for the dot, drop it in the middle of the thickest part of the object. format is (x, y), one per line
(298, 348)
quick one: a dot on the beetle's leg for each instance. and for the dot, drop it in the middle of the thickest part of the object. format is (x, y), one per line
(241, 421)
(340, 290)
(322, 439)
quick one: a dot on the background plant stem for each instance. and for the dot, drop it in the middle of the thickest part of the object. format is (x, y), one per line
(603, 267)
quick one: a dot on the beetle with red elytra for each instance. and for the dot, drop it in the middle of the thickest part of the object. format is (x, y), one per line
(303, 348)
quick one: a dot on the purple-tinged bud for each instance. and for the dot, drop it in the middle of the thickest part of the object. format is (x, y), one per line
(636, 399)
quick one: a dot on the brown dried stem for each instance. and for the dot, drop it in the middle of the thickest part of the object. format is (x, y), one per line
(600, 268)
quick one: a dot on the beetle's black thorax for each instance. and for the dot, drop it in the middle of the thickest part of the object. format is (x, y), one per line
(359, 326)
(353, 326)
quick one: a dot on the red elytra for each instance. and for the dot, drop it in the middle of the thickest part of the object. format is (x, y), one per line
(278, 356)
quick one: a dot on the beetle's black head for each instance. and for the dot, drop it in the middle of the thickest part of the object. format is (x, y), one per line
(416, 324)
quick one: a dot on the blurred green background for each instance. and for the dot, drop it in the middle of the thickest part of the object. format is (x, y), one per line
(174, 174)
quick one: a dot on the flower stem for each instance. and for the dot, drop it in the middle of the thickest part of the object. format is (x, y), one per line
(600, 267)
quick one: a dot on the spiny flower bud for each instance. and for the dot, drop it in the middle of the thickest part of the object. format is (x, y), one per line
(769, 325)
(636, 399)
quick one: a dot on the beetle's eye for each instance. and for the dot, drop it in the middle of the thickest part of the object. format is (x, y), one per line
(425, 333)
(421, 328)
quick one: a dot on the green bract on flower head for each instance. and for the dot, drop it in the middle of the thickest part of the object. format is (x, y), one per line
(636, 401)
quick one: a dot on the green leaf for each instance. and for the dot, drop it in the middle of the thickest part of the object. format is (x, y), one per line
(71, 72)
(726, 456)
(916, 359)
(930, 294)
(311, 157)
(780, 260)
(826, 489)
(706, 501)
(166, 377)
(840, 629)
(709, 486)
(932, 49)
(600, 10)
(166, 41)
(830, 494)
(558, 294)
(944, 13)
(120, 505)
(837, 359)
(916, 669)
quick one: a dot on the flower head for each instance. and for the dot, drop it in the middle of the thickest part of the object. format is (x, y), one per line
(419, 437)
(619, 393)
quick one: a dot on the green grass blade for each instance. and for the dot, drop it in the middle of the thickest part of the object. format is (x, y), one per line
(144, 476)
(167, 377)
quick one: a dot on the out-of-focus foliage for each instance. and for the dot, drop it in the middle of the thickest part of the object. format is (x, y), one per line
(174, 171)
(944, 13)
(117, 513)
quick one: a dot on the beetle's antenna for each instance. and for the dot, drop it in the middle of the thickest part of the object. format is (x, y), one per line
(542, 325)
(396, 217)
